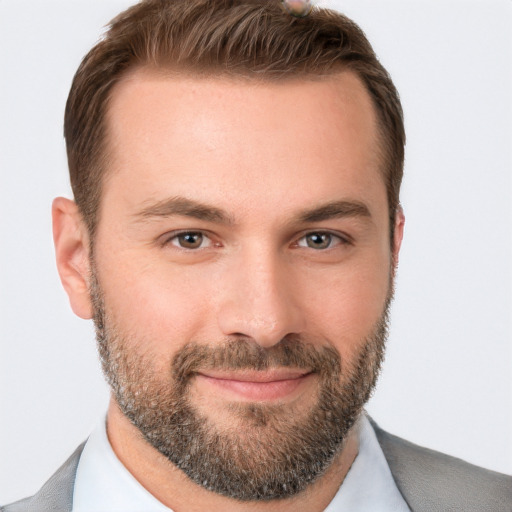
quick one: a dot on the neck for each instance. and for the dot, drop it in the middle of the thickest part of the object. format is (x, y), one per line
(175, 490)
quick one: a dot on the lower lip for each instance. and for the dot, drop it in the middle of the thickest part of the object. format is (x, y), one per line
(258, 391)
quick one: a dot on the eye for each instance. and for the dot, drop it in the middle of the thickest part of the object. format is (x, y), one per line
(320, 240)
(190, 240)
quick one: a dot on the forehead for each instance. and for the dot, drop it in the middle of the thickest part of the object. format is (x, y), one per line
(222, 137)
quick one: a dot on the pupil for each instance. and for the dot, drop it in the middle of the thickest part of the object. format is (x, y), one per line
(319, 240)
(192, 240)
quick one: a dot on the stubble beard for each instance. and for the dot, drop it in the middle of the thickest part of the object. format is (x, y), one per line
(268, 451)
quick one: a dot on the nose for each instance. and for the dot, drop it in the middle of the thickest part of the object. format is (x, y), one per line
(260, 300)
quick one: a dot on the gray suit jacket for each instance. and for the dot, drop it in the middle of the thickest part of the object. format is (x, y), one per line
(429, 482)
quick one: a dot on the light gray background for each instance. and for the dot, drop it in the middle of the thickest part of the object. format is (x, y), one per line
(447, 380)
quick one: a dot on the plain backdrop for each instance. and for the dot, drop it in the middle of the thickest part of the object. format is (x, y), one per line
(447, 379)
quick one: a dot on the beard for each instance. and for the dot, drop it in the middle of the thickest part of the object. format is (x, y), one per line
(265, 451)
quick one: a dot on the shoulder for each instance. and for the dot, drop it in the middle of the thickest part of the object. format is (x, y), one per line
(56, 493)
(433, 481)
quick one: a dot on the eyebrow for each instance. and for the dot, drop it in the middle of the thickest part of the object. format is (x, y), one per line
(186, 207)
(335, 210)
(189, 208)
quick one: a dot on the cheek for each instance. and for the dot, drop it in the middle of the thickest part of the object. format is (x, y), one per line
(345, 307)
(162, 306)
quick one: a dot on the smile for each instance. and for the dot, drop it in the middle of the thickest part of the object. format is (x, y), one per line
(257, 385)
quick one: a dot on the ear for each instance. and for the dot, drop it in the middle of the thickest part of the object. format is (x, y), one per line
(398, 234)
(72, 253)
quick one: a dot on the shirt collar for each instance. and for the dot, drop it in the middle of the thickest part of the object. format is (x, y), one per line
(369, 484)
(103, 483)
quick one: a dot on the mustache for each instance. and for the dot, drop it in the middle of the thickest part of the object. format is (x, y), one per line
(244, 354)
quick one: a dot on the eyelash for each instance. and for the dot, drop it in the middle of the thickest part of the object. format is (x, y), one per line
(332, 236)
(176, 235)
(341, 240)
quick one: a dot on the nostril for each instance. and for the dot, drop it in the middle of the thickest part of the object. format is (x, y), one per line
(258, 301)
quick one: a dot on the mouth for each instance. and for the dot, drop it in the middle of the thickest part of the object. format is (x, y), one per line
(250, 385)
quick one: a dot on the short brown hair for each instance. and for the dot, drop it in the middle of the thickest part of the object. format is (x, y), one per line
(256, 39)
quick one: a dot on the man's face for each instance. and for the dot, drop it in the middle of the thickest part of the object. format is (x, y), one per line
(242, 272)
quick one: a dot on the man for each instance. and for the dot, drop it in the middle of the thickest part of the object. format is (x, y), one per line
(236, 228)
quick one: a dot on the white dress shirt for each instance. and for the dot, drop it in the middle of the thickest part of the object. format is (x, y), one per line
(104, 484)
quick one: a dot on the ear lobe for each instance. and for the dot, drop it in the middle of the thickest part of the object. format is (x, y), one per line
(71, 242)
(398, 234)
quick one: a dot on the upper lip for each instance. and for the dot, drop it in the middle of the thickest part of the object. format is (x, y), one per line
(272, 375)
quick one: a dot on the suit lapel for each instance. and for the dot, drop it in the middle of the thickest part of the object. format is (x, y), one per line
(56, 493)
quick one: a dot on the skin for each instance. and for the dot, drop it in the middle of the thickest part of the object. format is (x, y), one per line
(264, 154)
